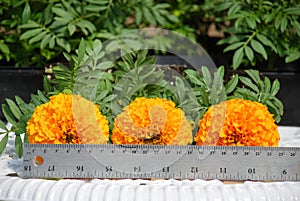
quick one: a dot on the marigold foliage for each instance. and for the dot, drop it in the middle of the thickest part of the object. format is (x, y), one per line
(238, 122)
(68, 118)
(152, 121)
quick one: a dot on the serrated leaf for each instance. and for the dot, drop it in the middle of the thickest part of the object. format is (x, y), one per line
(232, 84)
(19, 146)
(259, 48)
(14, 108)
(249, 53)
(206, 75)
(238, 58)
(233, 46)
(3, 143)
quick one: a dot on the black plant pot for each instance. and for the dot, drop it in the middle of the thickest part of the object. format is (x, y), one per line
(19, 82)
(289, 92)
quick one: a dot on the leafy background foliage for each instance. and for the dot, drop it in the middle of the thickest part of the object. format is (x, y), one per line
(114, 84)
(255, 33)
(69, 35)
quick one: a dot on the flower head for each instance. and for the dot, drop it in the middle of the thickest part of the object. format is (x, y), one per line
(152, 121)
(238, 122)
(68, 118)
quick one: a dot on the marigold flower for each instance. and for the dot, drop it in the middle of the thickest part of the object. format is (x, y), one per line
(67, 118)
(152, 121)
(238, 122)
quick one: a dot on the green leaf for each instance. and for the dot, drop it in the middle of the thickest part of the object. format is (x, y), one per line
(262, 38)
(275, 87)
(283, 24)
(4, 48)
(2, 125)
(296, 25)
(293, 11)
(138, 16)
(27, 107)
(3, 143)
(292, 57)
(259, 48)
(71, 29)
(148, 15)
(267, 84)
(14, 108)
(8, 114)
(231, 85)
(19, 146)
(249, 53)
(251, 22)
(246, 81)
(64, 44)
(38, 37)
(233, 46)
(206, 75)
(26, 13)
(47, 85)
(192, 76)
(45, 41)
(30, 33)
(231, 39)
(42, 96)
(238, 58)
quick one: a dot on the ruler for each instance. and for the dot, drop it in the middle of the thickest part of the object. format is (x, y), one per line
(160, 161)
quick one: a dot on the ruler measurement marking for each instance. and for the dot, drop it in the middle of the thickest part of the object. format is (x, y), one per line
(188, 161)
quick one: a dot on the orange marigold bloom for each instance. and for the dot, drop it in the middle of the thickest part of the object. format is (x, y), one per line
(152, 121)
(68, 118)
(238, 122)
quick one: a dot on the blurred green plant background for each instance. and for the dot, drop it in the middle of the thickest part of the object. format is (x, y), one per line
(252, 33)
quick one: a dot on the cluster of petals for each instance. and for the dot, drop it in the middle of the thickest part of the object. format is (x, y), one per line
(68, 119)
(238, 122)
(152, 121)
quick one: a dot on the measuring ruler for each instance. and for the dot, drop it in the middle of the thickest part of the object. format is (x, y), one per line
(161, 161)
